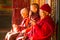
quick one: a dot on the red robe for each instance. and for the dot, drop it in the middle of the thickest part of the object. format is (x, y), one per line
(24, 23)
(42, 30)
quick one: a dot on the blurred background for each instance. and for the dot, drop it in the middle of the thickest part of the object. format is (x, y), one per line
(10, 13)
(5, 17)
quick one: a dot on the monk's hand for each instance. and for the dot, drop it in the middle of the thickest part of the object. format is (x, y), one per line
(23, 31)
(32, 22)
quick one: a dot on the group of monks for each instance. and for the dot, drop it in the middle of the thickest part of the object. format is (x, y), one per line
(36, 24)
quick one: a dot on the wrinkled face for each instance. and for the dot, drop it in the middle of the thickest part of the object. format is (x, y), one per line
(33, 8)
(24, 13)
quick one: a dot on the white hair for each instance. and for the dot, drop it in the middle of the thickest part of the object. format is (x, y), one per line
(24, 9)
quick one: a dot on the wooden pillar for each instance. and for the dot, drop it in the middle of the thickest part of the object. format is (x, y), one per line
(42, 2)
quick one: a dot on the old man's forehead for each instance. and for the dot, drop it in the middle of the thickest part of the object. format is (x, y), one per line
(24, 9)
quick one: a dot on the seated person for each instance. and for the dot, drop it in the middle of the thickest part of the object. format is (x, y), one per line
(25, 23)
(25, 16)
(17, 29)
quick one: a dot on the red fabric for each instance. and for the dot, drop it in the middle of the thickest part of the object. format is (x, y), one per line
(46, 7)
(28, 29)
(21, 26)
(25, 22)
(17, 5)
(16, 17)
(43, 29)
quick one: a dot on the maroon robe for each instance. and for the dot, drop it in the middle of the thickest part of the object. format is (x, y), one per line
(43, 29)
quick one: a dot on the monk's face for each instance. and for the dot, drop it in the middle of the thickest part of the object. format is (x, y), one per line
(33, 8)
(24, 13)
(41, 13)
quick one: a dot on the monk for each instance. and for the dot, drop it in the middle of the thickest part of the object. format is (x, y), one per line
(25, 16)
(16, 29)
(44, 28)
(24, 24)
